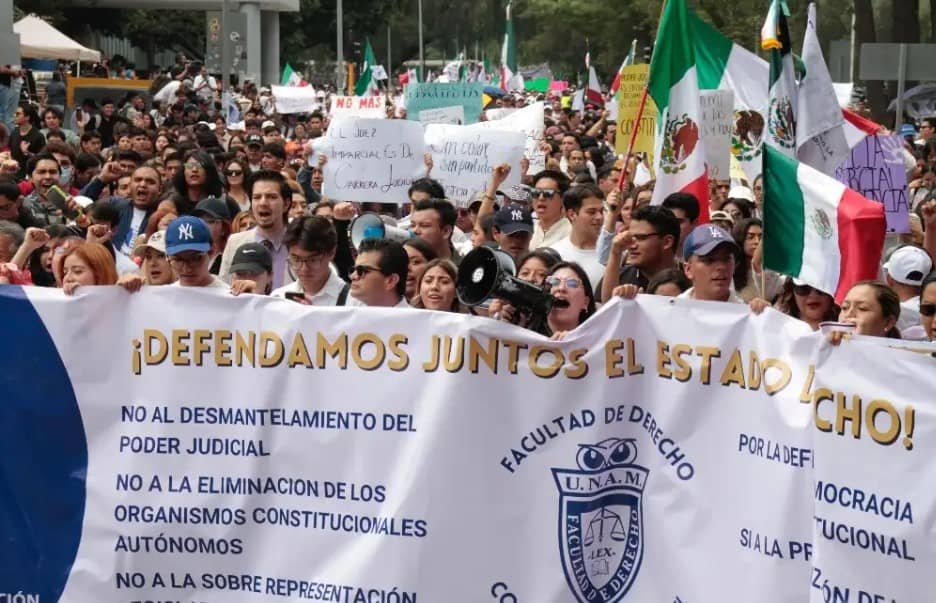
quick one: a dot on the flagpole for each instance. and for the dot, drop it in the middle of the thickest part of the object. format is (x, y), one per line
(625, 177)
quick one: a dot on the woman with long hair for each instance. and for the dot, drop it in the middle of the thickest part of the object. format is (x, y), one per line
(436, 288)
(197, 180)
(928, 306)
(569, 285)
(235, 174)
(748, 234)
(420, 254)
(872, 308)
(812, 306)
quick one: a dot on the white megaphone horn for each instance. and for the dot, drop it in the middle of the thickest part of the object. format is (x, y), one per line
(371, 226)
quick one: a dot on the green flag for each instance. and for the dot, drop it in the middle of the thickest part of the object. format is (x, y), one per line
(367, 85)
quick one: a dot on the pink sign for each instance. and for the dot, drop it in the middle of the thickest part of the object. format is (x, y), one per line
(558, 85)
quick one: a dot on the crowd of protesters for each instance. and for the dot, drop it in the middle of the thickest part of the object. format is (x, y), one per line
(141, 192)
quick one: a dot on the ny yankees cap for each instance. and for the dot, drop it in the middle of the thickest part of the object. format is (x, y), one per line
(705, 238)
(187, 233)
(514, 218)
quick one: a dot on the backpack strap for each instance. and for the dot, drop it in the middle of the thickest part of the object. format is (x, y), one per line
(343, 296)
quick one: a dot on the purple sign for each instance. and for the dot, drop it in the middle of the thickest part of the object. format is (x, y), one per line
(876, 170)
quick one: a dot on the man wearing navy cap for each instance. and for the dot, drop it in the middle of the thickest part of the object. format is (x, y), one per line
(710, 261)
(513, 229)
(188, 245)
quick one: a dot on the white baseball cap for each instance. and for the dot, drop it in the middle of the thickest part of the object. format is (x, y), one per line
(909, 265)
(741, 192)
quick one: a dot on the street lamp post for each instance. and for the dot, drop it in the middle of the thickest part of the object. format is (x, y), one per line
(340, 67)
(422, 58)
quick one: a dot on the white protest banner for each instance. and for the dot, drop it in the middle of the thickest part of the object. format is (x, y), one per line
(464, 157)
(716, 123)
(373, 107)
(371, 159)
(499, 113)
(530, 121)
(443, 115)
(294, 99)
(247, 449)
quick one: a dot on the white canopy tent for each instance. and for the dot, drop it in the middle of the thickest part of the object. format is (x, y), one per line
(39, 40)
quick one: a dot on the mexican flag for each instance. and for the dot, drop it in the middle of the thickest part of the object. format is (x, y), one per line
(291, 78)
(509, 78)
(593, 90)
(724, 65)
(367, 85)
(679, 157)
(816, 229)
(782, 93)
(628, 60)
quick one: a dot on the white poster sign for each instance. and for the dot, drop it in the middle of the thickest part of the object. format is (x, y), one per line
(530, 121)
(373, 107)
(443, 115)
(371, 159)
(247, 449)
(294, 99)
(500, 113)
(464, 157)
(716, 123)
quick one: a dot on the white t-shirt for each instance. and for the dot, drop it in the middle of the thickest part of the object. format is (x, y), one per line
(909, 314)
(327, 295)
(586, 258)
(216, 283)
(136, 221)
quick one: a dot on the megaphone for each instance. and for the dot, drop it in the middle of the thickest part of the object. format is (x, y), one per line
(372, 226)
(487, 273)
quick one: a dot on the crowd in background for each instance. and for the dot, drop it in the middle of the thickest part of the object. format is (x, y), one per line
(167, 190)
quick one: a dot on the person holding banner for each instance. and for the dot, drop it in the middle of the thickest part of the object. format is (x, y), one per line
(870, 308)
(650, 242)
(806, 303)
(568, 283)
(928, 307)
(188, 243)
(87, 264)
(710, 262)
(312, 243)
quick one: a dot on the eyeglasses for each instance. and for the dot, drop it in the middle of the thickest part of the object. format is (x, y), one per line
(192, 260)
(362, 270)
(802, 290)
(928, 309)
(233, 173)
(536, 193)
(571, 283)
(298, 262)
(193, 166)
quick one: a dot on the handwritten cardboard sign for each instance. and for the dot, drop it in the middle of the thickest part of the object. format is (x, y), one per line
(373, 107)
(371, 159)
(876, 170)
(420, 97)
(463, 157)
(716, 121)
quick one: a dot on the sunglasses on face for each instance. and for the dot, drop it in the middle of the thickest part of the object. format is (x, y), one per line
(928, 310)
(233, 173)
(362, 270)
(571, 283)
(802, 290)
(537, 193)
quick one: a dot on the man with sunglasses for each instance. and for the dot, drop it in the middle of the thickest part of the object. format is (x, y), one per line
(379, 275)
(546, 198)
(188, 242)
(904, 272)
(650, 244)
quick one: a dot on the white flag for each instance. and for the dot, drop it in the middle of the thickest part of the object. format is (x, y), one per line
(820, 136)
